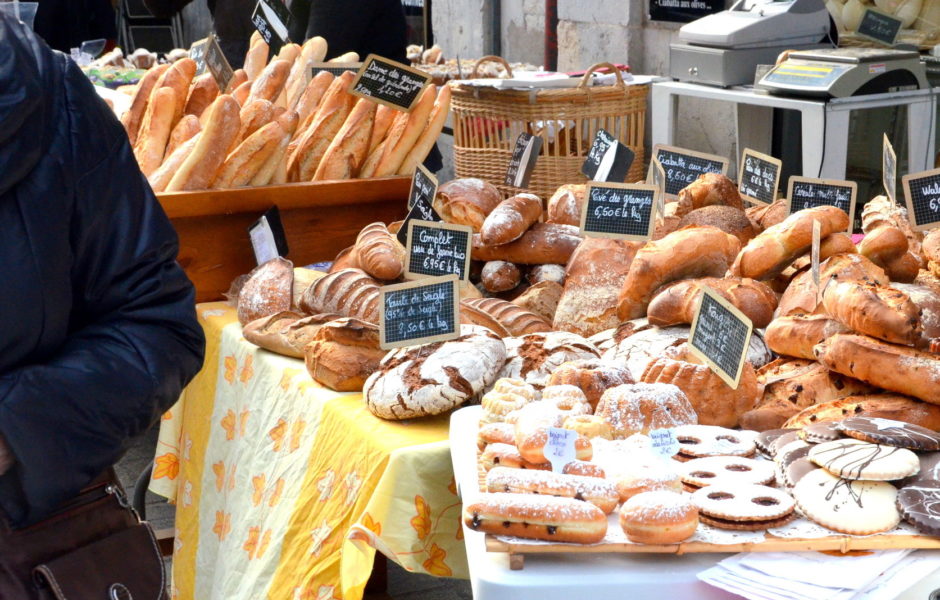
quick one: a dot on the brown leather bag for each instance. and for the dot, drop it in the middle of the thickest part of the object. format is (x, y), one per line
(93, 547)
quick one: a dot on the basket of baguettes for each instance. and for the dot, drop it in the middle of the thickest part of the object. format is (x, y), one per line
(487, 122)
(276, 124)
(590, 334)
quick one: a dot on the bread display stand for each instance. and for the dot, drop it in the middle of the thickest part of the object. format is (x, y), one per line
(319, 218)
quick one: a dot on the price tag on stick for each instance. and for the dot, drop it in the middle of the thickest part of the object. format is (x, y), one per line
(436, 249)
(889, 169)
(422, 210)
(619, 210)
(880, 27)
(524, 156)
(268, 239)
(389, 82)
(272, 20)
(806, 192)
(217, 64)
(922, 196)
(665, 443)
(657, 177)
(423, 185)
(608, 159)
(419, 312)
(559, 449)
(720, 336)
(758, 176)
(683, 166)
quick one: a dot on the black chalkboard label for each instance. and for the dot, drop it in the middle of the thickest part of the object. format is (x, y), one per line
(922, 195)
(608, 159)
(272, 20)
(422, 209)
(806, 192)
(683, 11)
(880, 27)
(720, 336)
(336, 69)
(436, 248)
(682, 166)
(889, 169)
(423, 185)
(389, 82)
(619, 210)
(197, 52)
(758, 176)
(419, 312)
(217, 64)
(524, 156)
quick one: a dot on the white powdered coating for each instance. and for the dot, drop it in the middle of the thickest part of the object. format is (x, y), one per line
(532, 507)
(658, 506)
(743, 501)
(464, 185)
(713, 470)
(927, 301)
(266, 291)
(554, 273)
(547, 482)
(641, 348)
(506, 396)
(711, 440)
(567, 398)
(547, 350)
(639, 407)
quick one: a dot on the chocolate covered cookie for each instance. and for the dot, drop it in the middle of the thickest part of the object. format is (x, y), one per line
(817, 433)
(765, 439)
(889, 432)
(920, 506)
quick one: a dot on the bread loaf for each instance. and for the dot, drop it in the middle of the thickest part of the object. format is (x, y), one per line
(422, 146)
(466, 201)
(134, 115)
(708, 190)
(878, 406)
(931, 249)
(878, 311)
(927, 301)
(346, 259)
(379, 253)
(384, 116)
(687, 253)
(303, 278)
(677, 302)
(327, 121)
(201, 95)
(769, 253)
(510, 219)
(312, 94)
(543, 243)
(471, 315)
(564, 207)
(271, 81)
(887, 366)
(801, 295)
(345, 154)
(405, 132)
(207, 155)
(274, 170)
(160, 178)
(285, 333)
(151, 142)
(729, 219)
(343, 354)
(241, 93)
(185, 129)
(266, 291)
(765, 216)
(252, 116)
(249, 157)
(594, 277)
(348, 292)
(541, 298)
(515, 319)
(797, 335)
(178, 78)
(500, 276)
(238, 78)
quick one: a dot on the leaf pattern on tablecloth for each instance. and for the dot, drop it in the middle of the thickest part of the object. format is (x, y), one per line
(287, 375)
(452, 486)
(422, 522)
(247, 369)
(228, 424)
(325, 592)
(325, 485)
(223, 524)
(352, 483)
(231, 365)
(258, 484)
(243, 421)
(296, 432)
(166, 465)
(435, 564)
(257, 542)
(318, 538)
(231, 477)
(277, 434)
(219, 469)
(276, 493)
(372, 525)
(167, 416)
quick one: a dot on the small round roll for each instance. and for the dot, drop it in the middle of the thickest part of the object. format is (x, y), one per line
(537, 517)
(500, 276)
(660, 517)
(599, 492)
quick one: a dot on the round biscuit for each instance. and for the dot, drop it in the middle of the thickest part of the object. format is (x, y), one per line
(855, 459)
(845, 506)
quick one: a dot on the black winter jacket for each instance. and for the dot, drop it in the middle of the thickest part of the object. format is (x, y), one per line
(98, 332)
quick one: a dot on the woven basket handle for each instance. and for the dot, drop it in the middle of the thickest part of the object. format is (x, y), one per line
(498, 59)
(589, 72)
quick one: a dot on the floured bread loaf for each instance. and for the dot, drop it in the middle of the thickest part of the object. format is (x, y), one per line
(533, 357)
(433, 378)
(266, 291)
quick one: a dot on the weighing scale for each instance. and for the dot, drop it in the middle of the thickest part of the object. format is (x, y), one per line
(725, 48)
(842, 72)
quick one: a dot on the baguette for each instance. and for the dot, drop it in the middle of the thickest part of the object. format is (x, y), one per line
(238, 78)
(510, 219)
(384, 116)
(269, 172)
(245, 162)
(327, 121)
(151, 143)
(178, 78)
(677, 302)
(348, 292)
(405, 132)
(289, 52)
(348, 57)
(312, 94)
(542, 244)
(881, 312)
(256, 58)
(314, 50)
(201, 95)
(379, 253)
(797, 335)
(269, 84)
(203, 162)
(372, 160)
(515, 319)
(429, 136)
(252, 116)
(345, 154)
(134, 116)
(187, 127)
(162, 176)
(241, 93)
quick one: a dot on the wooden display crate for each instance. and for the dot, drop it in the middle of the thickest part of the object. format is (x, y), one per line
(320, 219)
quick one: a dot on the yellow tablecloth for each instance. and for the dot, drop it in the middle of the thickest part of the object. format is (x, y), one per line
(285, 489)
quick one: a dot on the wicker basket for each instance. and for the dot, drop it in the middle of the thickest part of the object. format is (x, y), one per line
(487, 122)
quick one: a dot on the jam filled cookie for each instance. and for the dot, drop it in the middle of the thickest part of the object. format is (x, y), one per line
(854, 459)
(890, 433)
(743, 506)
(920, 506)
(709, 440)
(856, 507)
(711, 470)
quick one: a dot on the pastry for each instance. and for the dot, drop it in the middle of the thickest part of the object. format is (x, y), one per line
(506, 396)
(659, 517)
(797, 335)
(931, 250)
(379, 253)
(566, 204)
(677, 302)
(708, 190)
(497, 454)
(510, 219)
(495, 433)
(592, 376)
(532, 425)
(433, 378)
(348, 292)
(709, 440)
(927, 302)
(767, 437)
(643, 407)
(513, 318)
(537, 517)
(645, 472)
(266, 291)
(343, 354)
(889, 432)
(600, 493)
(711, 470)
(881, 312)
(729, 219)
(568, 399)
(742, 506)
(541, 299)
(590, 426)
(534, 356)
(887, 406)
(853, 507)
(818, 433)
(854, 459)
(584, 468)
(802, 295)
(466, 201)
(543, 243)
(500, 276)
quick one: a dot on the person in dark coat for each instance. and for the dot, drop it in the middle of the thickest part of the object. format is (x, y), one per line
(232, 19)
(65, 24)
(365, 27)
(99, 333)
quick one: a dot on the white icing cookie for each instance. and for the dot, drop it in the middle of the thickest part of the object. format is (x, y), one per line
(856, 507)
(855, 459)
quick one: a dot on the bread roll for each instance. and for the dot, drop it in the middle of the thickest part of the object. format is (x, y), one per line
(348, 292)
(677, 302)
(201, 95)
(422, 146)
(510, 219)
(726, 218)
(327, 121)
(801, 297)
(345, 154)
(516, 320)
(540, 273)
(708, 190)
(466, 201)
(878, 311)
(208, 154)
(250, 156)
(541, 298)
(877, 406)
(134, 116)
(405, 132)
(797, 335)
(543, 243)
(271, 81)
(343, 354)
(687, 253)
(500, 276)
(151, 143)
(565, 205)
(160, 178)
(379, 252)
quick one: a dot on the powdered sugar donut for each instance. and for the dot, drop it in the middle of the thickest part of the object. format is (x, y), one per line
(569, 399)
(659, 517)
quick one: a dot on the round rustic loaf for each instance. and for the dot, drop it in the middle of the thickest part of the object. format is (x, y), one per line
(534, 356)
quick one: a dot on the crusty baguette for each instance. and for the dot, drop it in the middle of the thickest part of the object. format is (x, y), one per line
(346, 152)
(677, 302)
(289, 52)
(384, 116)
(313, 50)
(510, 219)
(348, 57)
(151, 143)
(517, 320)
(256, 58)
(379, 252)
(312, 94)
(253, 116)
(542, 244)
(265, 174)
(162, 176)
(203, 162)
(241, 93)
(179, 77)
(327, 121)
(878, 311)
(798, 335)
(248, 158)
(429, 136)
(204, 90)
(372, 160)
(187, 127)
(238, 78)
(134, 116)
(269, 84)
(405, 132)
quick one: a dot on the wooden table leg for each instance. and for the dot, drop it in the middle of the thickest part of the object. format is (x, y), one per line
(378, 580)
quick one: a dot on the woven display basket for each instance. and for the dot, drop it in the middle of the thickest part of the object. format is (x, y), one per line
(487, 122)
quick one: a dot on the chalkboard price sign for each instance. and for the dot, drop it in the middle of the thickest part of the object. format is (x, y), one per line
(879, 27)
(758, 176)
(217, 64)
(720, 336)
(197, 52)
(272, 20)
(419, 312)
(657, 177)
(524, 156)
(436, 248)
(683, 11)
(336, 69)
(423, 210)
(423, 185)
(682, 166)
(922, 195)
(389, 82)
(889, 169)
(619, 211)
(608, 159)
(806, 192)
